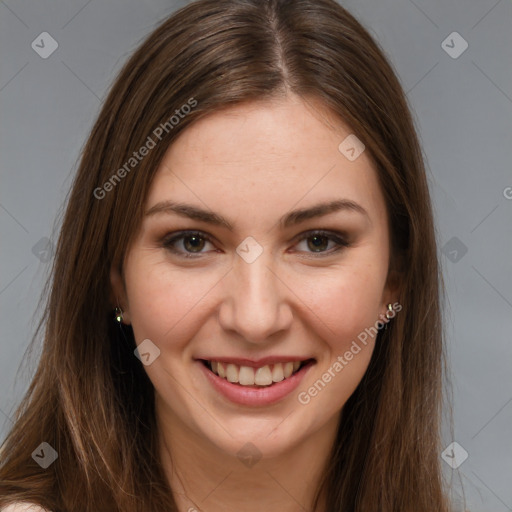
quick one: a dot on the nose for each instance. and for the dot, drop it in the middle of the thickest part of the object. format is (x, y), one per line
(256, 303)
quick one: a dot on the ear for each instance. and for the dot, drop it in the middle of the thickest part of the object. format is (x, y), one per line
(391, 290)
(118, 296)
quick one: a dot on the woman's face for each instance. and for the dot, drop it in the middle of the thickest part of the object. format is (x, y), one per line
(240, 260)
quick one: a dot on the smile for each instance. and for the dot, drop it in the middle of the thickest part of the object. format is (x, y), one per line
(249, 376)
(248, 385)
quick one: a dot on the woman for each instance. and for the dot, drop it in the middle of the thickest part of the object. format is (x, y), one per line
(244, 311)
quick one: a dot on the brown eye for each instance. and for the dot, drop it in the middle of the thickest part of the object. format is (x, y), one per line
(193, 243)
(318, 243)
(187, 244)
(323, 243)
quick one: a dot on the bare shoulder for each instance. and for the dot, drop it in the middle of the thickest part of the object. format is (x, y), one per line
(23, 506)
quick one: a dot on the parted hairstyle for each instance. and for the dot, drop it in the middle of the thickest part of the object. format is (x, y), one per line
(90, 398)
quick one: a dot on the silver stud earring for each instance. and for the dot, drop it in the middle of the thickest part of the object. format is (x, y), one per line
(118, 313)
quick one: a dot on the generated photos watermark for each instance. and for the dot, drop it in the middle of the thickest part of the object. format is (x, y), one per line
(151, 142)
(304, 397)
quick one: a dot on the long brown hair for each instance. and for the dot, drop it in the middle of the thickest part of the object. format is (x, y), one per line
(90, 398)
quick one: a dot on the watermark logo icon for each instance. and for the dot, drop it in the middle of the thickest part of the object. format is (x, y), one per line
(454, 45)
(147, 352)
(249, 250)
(249, 454)
(454, 250)
(43, 250)
(45, 455)
(351, 147)
(454, 455)
(44, 45)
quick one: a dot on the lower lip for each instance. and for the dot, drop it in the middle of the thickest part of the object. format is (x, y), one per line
(253, 395)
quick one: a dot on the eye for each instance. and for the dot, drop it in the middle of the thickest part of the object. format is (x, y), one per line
(320, 241)
(191, 242)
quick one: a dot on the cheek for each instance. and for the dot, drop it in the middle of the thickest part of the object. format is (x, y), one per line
(343, 314)
(343, 304)
(164, 303)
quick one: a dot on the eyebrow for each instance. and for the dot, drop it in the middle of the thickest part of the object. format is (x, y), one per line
(290, 219)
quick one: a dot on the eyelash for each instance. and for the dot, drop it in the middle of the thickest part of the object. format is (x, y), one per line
(341, 243)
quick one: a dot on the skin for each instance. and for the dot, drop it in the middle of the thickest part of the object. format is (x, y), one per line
(252, 164)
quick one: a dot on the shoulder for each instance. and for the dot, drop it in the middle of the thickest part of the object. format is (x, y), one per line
(23, 506)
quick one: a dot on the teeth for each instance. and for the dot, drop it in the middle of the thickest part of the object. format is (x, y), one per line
(263, 376)
(248, 376)
(232, 373)
(277, 373)
(287, 369)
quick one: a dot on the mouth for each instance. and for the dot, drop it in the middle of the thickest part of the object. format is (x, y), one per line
(256, 377)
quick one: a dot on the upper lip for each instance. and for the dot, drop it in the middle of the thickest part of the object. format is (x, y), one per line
(256, 363)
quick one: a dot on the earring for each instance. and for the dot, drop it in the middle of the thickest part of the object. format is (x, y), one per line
(388, 317)
(118, 313)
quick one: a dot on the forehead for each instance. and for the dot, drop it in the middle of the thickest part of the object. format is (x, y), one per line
(278, 153)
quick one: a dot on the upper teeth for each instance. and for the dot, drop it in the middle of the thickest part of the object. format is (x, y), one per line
(248, 376)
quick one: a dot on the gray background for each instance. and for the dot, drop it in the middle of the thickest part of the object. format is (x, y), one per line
(463, 110)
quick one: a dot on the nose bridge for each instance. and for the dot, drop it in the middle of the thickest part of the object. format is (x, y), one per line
(255, 302)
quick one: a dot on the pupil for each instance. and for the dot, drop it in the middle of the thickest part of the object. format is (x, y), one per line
(196, 244)
(319, 242)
